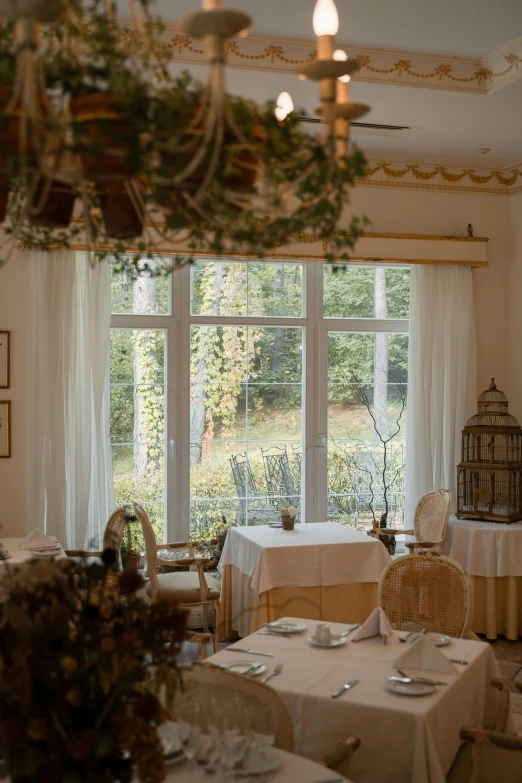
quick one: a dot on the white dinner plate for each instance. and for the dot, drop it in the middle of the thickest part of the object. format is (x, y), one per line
(46, 552)
(285, 627)
(260, 764)
(409, 688)
(242, 667)
(335, 641)
(440, 639)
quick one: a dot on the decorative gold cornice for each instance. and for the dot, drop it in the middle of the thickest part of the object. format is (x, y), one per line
(377, 65)
(445, 178)
(446, 175)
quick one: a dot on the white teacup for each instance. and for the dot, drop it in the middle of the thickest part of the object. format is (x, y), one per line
(318, 631)
(4, 552)
(325, 636)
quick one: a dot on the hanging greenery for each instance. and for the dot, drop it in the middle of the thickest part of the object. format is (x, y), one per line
(100, 145)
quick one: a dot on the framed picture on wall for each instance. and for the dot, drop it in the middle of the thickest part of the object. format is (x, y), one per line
(5, 348)
(5, 428)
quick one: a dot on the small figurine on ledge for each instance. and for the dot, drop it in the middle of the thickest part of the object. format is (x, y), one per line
(470, 229)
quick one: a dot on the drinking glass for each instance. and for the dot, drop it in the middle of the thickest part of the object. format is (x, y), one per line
(261, 721)
(189, 717)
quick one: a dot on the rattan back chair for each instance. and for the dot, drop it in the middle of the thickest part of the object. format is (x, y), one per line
(207, 682)
(113, 534)
(431, 521)
(429, 525)
(427, 591)
(490, 755)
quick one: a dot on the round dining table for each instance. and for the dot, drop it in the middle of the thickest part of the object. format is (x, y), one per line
(491, 552)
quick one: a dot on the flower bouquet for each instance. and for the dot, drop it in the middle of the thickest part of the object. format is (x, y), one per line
(83, 663)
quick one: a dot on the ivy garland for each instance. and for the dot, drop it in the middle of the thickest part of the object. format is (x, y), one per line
(157, 124)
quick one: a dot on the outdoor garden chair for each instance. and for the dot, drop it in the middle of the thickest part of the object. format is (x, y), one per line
(252, 501)
(279, 479)
(427, 591)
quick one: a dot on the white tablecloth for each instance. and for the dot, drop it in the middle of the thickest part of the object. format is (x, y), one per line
(403, 739)
(293, 769)
(322, 553)
(485, 548)
(19, 556)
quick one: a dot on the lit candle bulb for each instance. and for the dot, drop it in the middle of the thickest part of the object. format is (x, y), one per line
(326, 18)
(342, 82)
(212, 5)
(326, 25)
(284, 106)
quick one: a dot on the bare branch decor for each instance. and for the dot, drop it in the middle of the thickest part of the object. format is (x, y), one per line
(381, 480)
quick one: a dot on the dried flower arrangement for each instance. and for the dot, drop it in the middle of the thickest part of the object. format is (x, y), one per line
(83, 661)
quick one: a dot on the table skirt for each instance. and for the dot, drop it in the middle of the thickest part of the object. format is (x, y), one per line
(497, 606)
(243, 613)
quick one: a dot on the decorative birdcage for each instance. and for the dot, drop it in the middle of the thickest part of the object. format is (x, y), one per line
(490, 474)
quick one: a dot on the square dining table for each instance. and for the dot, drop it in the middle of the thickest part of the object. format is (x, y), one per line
(404, 739)
(321, 571)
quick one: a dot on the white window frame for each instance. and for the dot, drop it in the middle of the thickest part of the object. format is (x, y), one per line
(177, 325)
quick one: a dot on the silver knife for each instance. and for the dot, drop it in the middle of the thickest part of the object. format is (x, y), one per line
(457, 660)
(249, 651)
(345, 687)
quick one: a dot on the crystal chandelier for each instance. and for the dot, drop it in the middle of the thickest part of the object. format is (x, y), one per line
(100, 144)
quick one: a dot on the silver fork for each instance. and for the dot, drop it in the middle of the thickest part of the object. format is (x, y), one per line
(278, 669)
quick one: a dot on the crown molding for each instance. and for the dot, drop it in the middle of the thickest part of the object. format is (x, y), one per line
(375, 65)
(440, 177)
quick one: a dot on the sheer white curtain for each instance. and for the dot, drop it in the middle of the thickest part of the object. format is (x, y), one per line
(69, 466)
(442, 378)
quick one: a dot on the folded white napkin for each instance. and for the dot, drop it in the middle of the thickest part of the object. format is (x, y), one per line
(423, 654)
(38, 540)
(377, 624)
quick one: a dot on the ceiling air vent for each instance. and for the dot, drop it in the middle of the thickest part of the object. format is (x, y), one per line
(371, 128)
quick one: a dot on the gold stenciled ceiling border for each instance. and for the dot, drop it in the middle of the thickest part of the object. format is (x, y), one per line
(285, 54)
(436, 176)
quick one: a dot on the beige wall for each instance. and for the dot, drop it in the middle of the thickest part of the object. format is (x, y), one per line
(497, 298)
(515, 306)
(14, 316)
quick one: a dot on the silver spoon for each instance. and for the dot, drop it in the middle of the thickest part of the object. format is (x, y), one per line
(406, 679)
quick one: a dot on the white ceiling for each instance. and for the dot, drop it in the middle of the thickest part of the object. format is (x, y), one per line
(454, 28)
(452, 126)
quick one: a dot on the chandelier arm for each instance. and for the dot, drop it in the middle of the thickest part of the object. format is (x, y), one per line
(213, 163)
(35, 209)
(160, 69)
(217, 105)
(191, 167)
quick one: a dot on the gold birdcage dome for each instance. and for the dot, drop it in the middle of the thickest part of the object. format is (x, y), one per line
(490, 474)
(492, 410)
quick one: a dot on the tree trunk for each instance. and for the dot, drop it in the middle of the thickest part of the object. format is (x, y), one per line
(144, 359)
(277, 345)
(198, 414)
(380, 398)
